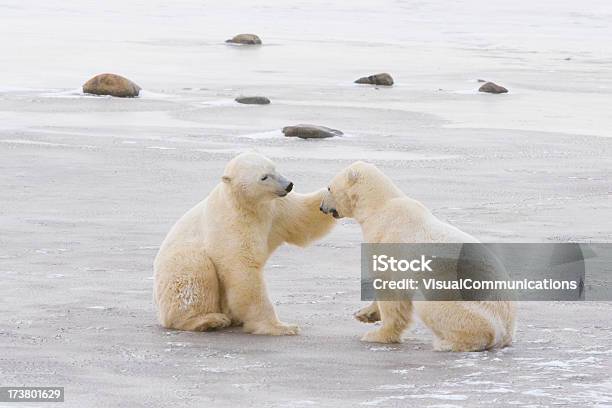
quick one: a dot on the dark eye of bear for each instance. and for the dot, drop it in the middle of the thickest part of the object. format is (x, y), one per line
(329, 189)
(264, 178)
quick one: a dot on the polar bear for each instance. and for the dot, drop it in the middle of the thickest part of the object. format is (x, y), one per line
(387, 215)
(209, 269)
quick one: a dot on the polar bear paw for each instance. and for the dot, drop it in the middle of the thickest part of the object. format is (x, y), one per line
(380, 336)
(368, 314)
(442, 345)
(280, 329)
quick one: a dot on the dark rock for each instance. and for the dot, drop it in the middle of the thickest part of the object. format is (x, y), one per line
(111, 84)
(248, 39)
(310, 132)
(253, 100)
(493, 88)
(378, 79)
(481, 80)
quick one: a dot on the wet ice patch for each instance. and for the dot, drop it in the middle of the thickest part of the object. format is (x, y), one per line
(270, 134)
(65, 93)
(45, 251)
(447, 397)
(215, 370)
(539, 341)
(220, 370)
(222, 102)
(498, 391)
(444, 406)
(327, 149)
(21, 89)
(46, 144)
(408, 370)
(160, 147)
(178, 344)
(438, 396)
(395, 387)
(527, 358)
(569, 365)
(383, 348)
(536, 393)
(594, 350)
(144, 94)
(464, 363)
(95, 269)
(477, 382)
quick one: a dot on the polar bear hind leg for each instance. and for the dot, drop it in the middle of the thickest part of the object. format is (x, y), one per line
(205, 322)
(461, 326)
(188, 293)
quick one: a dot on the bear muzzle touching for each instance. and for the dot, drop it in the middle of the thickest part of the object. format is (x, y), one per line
(328, 205)
(285, 185)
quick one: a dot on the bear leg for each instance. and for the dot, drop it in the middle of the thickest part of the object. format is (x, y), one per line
(248, 302)
(279, 329)
(210, 321)
(368, 314)
(396, 317)
(188, 292)
(461, 326)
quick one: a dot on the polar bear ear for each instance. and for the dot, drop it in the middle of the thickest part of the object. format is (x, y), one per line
(226, 179)
(352, 176)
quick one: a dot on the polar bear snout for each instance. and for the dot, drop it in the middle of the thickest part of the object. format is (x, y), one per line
(285, 186)
(328, 206)
(331, 211)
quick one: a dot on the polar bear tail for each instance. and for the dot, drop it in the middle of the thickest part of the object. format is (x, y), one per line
(187, 291)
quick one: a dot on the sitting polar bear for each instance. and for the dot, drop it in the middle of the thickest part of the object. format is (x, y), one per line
(387, 215)
(209, 269)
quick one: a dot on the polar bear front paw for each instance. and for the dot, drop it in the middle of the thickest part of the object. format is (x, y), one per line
(380, 336)
(368, 314)
(275, 330)
(286, 330)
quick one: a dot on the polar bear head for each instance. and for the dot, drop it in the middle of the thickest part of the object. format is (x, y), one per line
(358, 185)
(253, 178)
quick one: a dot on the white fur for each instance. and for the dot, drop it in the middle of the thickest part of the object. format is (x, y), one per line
(209, 269)
(387, 215)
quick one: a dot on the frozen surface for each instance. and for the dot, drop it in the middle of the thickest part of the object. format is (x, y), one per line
(90, 185)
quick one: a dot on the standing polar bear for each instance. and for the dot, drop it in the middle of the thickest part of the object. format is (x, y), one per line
(387, 215)
(209, 269)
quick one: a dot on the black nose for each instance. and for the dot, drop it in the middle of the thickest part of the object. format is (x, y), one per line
(289, 187)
